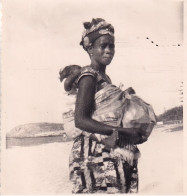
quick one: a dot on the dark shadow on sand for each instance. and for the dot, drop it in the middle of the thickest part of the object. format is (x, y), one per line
(33, 141)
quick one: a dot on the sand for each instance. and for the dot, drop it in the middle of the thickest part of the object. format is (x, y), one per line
(43, 169)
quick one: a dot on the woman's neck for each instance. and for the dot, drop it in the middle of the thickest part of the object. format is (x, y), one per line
(98, 67)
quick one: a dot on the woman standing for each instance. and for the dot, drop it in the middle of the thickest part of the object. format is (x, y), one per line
(95, 168)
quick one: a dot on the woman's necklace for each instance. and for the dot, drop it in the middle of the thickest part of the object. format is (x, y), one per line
(102, 74)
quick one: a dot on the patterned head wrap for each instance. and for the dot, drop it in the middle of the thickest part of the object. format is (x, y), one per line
(95, 29)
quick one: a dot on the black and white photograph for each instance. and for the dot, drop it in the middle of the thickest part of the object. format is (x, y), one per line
(92, 97)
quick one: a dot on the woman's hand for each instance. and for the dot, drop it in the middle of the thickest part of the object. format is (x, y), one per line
(110, 141)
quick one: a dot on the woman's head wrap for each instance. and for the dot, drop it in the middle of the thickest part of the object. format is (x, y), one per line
(95, 29)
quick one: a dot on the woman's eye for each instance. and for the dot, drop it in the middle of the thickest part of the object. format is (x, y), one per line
(103, 46)
(111, 46)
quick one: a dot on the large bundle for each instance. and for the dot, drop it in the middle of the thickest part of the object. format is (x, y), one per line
(138, 114)
(114, 107)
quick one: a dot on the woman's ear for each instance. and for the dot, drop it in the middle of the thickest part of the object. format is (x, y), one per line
(90, 51)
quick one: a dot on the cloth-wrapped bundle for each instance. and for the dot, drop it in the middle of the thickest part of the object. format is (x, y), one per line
(115, 107)
(138, 114)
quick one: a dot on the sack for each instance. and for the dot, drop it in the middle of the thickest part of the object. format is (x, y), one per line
(138, 114)
(69, 126)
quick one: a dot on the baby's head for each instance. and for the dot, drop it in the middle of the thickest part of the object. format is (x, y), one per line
(68, 70)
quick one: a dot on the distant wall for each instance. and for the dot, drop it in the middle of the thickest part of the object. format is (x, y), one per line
(173, 122)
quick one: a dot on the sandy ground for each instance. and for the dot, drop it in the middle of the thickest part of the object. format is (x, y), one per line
(43, 169)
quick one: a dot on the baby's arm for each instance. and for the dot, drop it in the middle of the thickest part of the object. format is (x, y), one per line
(70, 80)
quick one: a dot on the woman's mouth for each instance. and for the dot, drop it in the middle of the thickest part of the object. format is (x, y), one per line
(108, 57)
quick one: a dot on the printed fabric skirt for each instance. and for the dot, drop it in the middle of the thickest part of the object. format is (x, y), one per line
(94, 169)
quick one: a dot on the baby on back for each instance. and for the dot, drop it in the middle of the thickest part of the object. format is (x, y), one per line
(71, 73)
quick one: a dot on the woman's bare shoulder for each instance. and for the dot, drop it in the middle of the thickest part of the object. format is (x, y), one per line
(86, 82)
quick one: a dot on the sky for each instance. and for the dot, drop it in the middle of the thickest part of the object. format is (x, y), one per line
(42, 36)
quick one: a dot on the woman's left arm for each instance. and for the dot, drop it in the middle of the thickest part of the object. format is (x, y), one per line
(85, 107)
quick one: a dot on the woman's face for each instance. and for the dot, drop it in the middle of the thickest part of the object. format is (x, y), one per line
(103, 50)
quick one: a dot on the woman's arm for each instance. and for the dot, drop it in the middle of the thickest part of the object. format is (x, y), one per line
(85, 106)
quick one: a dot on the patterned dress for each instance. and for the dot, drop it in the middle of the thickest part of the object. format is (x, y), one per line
(95, 169)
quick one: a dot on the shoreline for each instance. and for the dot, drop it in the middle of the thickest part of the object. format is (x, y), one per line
(33, 141)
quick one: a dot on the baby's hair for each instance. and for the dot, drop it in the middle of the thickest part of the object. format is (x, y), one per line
(67, 71)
